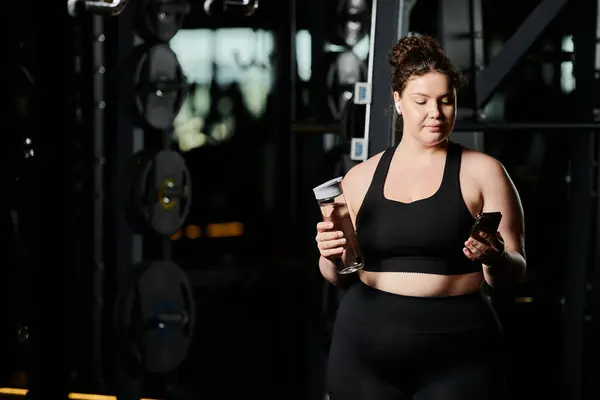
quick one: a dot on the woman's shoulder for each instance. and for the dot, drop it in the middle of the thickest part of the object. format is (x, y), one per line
(363, 171)
(358, 179)
(480, 164)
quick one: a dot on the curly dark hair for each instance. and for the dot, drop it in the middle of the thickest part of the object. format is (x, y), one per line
(418, 55)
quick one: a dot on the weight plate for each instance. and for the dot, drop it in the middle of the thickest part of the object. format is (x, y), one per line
(156, 316)
(159, 192)
(153, 86)
(160, 20)
(345, 70)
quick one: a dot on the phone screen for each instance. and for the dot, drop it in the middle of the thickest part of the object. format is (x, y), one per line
(486, 222)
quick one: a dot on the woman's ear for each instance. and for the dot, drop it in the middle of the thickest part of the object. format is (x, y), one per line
(398, 108)
(397, 102)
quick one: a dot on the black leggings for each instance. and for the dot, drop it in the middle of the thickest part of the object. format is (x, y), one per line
(391, 347)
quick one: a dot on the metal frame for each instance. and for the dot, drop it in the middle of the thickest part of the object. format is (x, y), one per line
(123, 249)
(461, 34)
(521, 126)
(389, 21)
(51, 288)
(584, 229)
(477, 38)
(594, 281)
(488, 80)
(579, 228)
(99, 104)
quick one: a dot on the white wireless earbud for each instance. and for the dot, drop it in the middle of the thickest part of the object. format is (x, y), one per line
(398, 109)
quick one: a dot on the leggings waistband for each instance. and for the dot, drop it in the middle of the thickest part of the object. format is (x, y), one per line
(409, 314)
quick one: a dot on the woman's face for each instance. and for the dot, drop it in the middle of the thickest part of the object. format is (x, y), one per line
(428, 107)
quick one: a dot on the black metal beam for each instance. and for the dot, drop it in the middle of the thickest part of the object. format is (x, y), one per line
(389, 22)
(578, 248)
(583, 216)
(523, 126)
(461, 35)
(52, 287)
(593, 25)
(308, 129)
(488, 79)
(122, 248)
(99, 105)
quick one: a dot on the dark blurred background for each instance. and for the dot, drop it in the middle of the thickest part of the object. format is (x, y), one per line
(268, 111)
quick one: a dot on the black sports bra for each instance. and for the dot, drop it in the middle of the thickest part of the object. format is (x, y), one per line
(425, 236)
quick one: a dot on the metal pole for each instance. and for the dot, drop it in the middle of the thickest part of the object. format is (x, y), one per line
(594, 285)
(583, 216)
(99, 69)
(123, 249)
(519, 126)
(51, 286)
(578, 248)
(461, 126)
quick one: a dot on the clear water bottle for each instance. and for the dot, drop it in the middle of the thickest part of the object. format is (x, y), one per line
(332, 203)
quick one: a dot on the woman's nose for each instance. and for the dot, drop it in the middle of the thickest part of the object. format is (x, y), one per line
(434, 111)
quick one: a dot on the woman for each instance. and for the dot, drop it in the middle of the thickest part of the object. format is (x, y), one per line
(415, 325)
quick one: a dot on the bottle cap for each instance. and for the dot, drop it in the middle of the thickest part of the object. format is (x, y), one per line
(329, 189)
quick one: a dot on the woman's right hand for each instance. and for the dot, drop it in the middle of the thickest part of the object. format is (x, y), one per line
(330, 242)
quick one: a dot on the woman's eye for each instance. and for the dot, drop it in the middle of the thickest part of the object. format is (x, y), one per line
(420, 102)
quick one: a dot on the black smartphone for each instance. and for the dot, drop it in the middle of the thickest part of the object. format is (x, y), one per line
(486, 222)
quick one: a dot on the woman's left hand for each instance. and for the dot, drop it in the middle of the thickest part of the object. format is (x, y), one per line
(490, 248)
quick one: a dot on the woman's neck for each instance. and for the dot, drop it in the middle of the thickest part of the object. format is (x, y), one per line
(414, 148)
